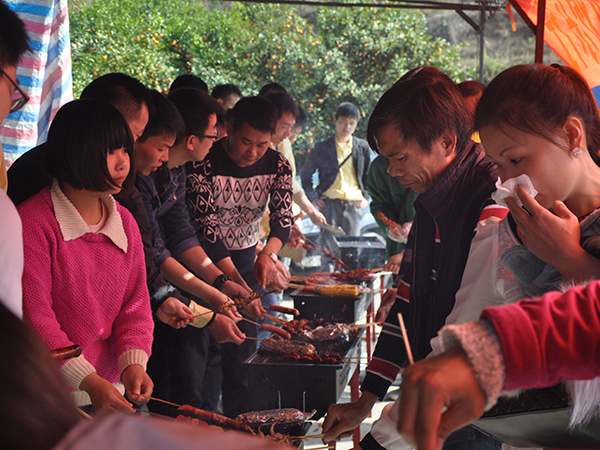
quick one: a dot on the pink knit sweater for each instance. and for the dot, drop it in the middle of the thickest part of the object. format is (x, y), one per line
(86, 291)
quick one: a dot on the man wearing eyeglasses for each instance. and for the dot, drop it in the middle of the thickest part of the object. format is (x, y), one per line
(13, 44)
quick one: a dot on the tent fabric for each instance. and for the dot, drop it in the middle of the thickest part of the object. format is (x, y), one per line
(44, 73)
(572, 30)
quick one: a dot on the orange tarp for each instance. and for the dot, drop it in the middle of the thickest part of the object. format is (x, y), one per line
(572, 30)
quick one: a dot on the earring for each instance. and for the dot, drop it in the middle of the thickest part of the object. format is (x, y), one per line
(575, 153)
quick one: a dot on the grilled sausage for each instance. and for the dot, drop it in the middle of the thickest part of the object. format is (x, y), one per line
(284, 310)
(276, 330)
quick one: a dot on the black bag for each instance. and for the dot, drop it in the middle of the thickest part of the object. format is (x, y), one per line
(538, 418)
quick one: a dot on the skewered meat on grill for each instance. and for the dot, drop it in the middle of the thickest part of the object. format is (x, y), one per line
(280, 346)
(297, 326)
(331, 332)
(214, 418)
(285, 415)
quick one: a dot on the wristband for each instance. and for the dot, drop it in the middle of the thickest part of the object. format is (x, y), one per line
(273, 256)
(220, 281)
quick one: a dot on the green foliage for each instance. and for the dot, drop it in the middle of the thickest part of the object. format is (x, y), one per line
(324, 58)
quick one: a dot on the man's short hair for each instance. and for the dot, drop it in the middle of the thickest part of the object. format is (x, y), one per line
(188, 80)
(421, 106)
(347, 109)
(122, 91)
(222, 91)
(164, 119)
(81, 135)
(13, 37)
(283, 102)
(271, 87)
(258, 112)
(195, 107)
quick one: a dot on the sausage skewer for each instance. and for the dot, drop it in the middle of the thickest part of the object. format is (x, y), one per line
(271, 329)
(284, 310)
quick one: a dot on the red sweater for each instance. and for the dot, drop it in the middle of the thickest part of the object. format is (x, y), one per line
(85, 291)
(561, 333)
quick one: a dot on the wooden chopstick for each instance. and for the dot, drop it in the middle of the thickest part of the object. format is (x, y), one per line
(405, 336)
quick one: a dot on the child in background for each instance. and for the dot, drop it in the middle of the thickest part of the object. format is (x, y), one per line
(84, 278)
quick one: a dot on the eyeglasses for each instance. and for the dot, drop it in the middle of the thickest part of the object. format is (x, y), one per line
(19, 97)
(208, 136)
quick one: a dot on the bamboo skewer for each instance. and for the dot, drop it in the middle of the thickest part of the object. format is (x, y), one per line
(302, 438)
(254, 338)
(84, 415)
(235, 304)
(275, 319)
(162, 416)
(405, 336)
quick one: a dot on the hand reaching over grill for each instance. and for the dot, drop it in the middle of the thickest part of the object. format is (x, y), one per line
(342, 418)
(105, 397)
(138, 384)
(281, 278)
(255, 309)
(225, 330)
(387, 301)
(174, 313)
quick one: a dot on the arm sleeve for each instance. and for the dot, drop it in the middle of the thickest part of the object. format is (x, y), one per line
(202, 211)
(478, 288)
(133, 326)
(390, 353)
(380, 195)
(280, 202)
(308, 170)
(175, 223)
(146, 187)
(367, 164)
(562, 332)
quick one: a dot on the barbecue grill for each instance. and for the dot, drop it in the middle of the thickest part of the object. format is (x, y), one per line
(277, 382)
(312, 306)
(361, 251)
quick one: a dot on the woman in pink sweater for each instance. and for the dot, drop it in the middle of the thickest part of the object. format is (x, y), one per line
(84, 278)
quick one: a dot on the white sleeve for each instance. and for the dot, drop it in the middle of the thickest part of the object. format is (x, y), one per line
(479, 288)
(384, 429)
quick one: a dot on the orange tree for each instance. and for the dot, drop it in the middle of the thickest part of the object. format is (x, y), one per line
(323, 58)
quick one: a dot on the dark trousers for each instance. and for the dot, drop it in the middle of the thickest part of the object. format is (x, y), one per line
(232, 379)
(177, 366)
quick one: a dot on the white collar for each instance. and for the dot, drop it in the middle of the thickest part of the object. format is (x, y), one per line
(72, 225)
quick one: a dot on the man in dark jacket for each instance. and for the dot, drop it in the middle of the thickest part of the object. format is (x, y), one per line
(422, 126)
(342, 162)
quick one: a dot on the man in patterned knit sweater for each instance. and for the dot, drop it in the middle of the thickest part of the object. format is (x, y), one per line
(227, 194)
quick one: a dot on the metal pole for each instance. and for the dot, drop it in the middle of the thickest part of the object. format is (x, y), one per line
(481, 35)
(539, 31)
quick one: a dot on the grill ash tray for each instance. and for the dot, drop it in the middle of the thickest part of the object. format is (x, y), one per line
(276, 382)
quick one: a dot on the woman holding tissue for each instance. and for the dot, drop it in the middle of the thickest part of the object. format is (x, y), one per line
(541, 125)
(546, 150)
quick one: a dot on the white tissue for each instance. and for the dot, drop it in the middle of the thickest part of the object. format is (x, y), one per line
(507, 189)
